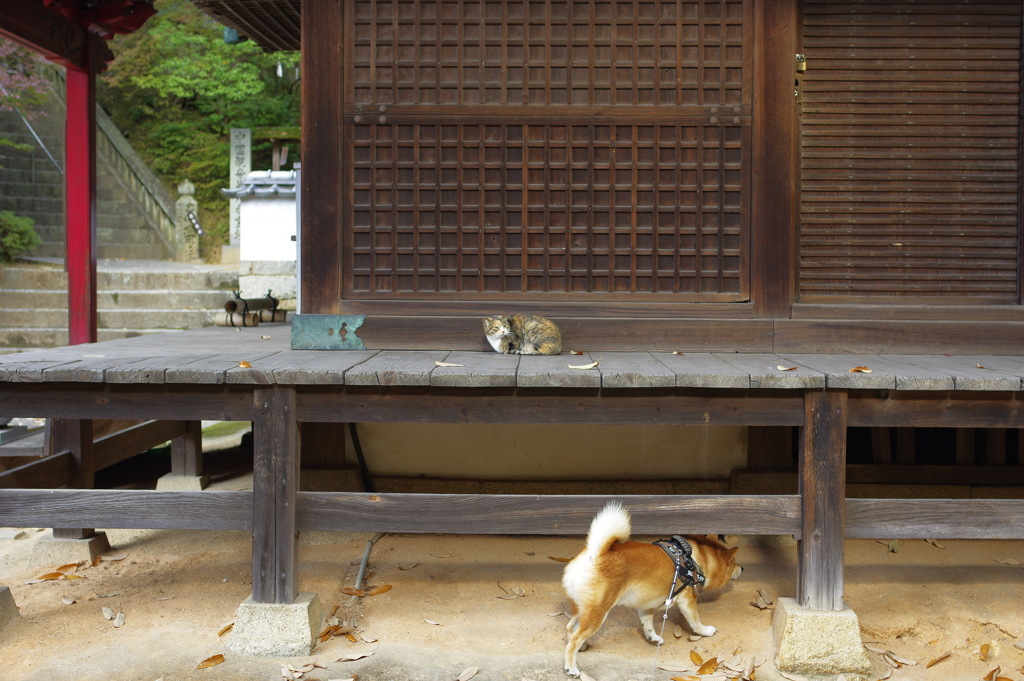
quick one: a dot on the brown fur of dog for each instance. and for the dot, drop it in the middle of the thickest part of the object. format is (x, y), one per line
(613, 571)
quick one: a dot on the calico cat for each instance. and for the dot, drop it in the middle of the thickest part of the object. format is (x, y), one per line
(523, 334)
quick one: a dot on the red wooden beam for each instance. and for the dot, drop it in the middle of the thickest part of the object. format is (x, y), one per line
(38, 28)
(80, 197)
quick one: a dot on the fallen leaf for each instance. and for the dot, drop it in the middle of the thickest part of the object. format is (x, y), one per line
(352, 591)
(448, 364)
(69, 566)
(436, 624)
(108, 614)
(782, 368)
(575, 352)
(210, 661)
(585, 676)
(983, 652)
(67, 601)
(119, 620)
(559, 560)
(1005, 561)
(685, 678)
(991, 675)
(937, 660)
(109, 595)
(696, 658)
(708, 667)
(978, 364)
(893, 546)
(935, 543)
(329, 633)
(675, 667)
(468, 673)
(792, 677)
(592, 365)
(763, 601)
(226, 628)
(677, 631)
(50, 576)
(244, 365)
(860, 370)
(407, 567)
(378, 590)
(264, 337)
(352, 657)
(676, 352)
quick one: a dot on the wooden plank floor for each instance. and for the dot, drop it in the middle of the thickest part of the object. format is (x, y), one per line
(252, 374)
(216, 356)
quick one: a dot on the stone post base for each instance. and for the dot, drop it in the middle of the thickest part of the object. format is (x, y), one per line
(277, 629)
(8, 609)
(50, 551)
(817, 641)
(182, 483)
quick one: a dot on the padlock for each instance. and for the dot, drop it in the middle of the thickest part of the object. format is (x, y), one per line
(801, 63)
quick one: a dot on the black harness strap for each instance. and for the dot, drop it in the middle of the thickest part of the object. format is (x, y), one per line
(688, 573)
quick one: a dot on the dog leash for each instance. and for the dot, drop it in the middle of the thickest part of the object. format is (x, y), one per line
(681, 553)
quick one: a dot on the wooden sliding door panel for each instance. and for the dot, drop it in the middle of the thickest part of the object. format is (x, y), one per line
(556, 150)
(911, 151)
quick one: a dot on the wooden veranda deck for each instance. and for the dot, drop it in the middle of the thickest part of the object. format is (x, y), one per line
(189, 376)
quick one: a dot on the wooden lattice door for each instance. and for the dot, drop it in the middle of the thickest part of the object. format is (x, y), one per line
(548, 151)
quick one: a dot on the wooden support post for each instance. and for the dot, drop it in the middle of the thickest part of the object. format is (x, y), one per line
(906, 445)
(823, 493)
(76, 436)
(275, 483)
(80, 188)
(187, 451)
(965, 447)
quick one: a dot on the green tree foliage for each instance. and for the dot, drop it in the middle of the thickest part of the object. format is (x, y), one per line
(22, 89)
(175, 89)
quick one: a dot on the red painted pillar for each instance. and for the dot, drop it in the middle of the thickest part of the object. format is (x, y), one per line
(80, 198)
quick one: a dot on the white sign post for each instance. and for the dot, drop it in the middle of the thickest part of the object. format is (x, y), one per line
(241, 165)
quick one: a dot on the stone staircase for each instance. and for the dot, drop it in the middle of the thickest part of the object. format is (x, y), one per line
(134, 298)
(127, 210)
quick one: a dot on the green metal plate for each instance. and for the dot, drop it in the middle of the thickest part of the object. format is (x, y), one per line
(327, 332)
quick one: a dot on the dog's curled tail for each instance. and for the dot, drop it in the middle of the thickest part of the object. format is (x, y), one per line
(611, 525)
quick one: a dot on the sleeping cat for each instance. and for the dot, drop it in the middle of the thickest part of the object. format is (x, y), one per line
(523, 334)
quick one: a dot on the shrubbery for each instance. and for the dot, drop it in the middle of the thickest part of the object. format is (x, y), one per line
(17, 235)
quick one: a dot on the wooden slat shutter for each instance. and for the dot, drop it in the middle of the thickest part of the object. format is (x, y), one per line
(911, 151)
(547, 150)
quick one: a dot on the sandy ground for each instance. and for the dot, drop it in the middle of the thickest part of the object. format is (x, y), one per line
(493, 603)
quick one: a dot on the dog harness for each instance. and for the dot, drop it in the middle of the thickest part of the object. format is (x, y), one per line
(688, 573)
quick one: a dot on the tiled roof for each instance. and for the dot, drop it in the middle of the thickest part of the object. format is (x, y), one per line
(265, 183)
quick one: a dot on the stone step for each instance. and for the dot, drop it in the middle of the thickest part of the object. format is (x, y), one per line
(30, 205)
(40, 299)
(161, 319)
(16, 184)
(123, 277)
(133, 297)
(34, 338)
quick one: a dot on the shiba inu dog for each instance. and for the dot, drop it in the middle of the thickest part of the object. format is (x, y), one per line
(611, 570)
